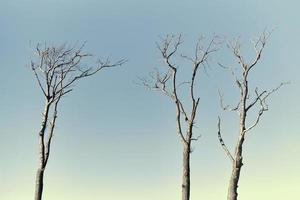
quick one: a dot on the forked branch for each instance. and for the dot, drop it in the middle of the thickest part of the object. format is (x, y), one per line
(261, 99)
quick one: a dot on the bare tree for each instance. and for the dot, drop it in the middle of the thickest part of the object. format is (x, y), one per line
(56, 69)
(244, 106)
(168, 84)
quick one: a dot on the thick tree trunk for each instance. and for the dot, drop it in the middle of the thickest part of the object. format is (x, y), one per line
(39, 184)
(186, 173)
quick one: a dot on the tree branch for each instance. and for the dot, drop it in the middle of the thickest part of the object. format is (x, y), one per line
(261, 98)
(227, 107)
(222, 142)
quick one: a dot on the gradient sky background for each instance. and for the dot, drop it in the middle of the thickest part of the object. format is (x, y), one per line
(115, 140)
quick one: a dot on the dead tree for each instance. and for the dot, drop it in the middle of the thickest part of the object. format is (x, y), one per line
(167, 83)
(245, 105)
(56, 69)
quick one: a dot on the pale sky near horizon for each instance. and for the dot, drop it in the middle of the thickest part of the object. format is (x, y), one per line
(116, 140)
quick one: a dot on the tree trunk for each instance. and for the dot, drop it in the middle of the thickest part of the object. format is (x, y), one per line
(39, 184)
(237, 166)
(234, 179)
(238, 158)
(40, 172)
(39, 180)
(186, 173)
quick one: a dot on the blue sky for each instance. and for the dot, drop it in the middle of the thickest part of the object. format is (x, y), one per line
(114, 137)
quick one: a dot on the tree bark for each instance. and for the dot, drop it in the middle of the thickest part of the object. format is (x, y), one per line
(39, 184)
(40, 172)
(234, 179)
(238, 158)
(186, 173)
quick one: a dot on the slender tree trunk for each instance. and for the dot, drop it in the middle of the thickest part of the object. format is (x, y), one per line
(186, 173)
(40, 171)
(39, 184)
(39, 181)
(238, 158)
(234, 179)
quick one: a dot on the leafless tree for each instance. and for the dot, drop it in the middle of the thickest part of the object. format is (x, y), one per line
(167, 83)
(244, 106)
(56, 69)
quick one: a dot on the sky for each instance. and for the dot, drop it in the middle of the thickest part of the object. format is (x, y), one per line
(115, 139)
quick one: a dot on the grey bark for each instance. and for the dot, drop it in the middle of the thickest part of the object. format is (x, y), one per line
(40, 171)
(39, 184)
(236, 171)
(238, 158)
(186, 177)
